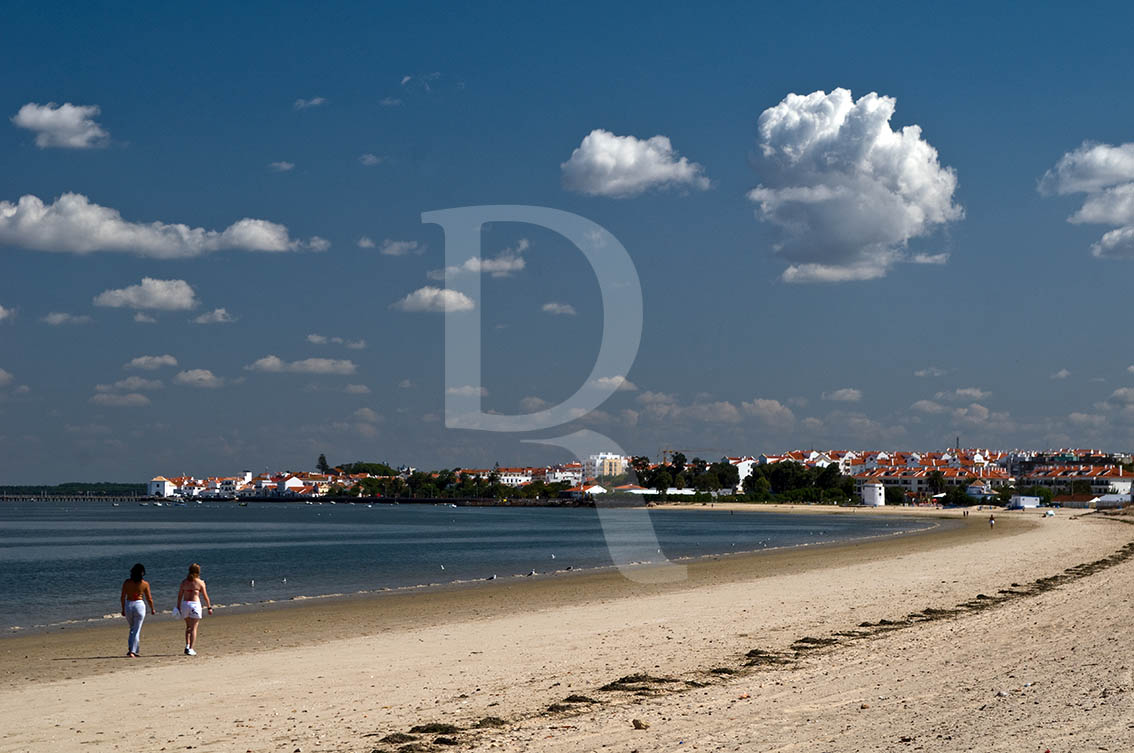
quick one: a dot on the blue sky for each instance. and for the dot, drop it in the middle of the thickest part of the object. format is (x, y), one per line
(1019, 327)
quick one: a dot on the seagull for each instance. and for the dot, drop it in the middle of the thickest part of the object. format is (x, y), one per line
(531, 573)
(252, 583)
(442, 567)
(492, 577)
(285, 580)
(553, 556)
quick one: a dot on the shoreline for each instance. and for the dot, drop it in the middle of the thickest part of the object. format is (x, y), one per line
(310, 621)
(303, 601)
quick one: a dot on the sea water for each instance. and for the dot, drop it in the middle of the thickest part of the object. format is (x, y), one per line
(63, 563)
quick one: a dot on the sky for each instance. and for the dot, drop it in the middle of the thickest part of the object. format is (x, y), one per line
(854, 227)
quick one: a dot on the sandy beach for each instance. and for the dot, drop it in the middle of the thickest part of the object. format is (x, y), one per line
(960, 638)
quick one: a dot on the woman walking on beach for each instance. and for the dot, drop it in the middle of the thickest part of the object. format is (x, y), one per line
(189, 598)
(135, 594)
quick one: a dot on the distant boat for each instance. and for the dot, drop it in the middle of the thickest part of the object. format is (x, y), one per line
(244, 504)
(158, 504)
(114, 504)
(143, 504)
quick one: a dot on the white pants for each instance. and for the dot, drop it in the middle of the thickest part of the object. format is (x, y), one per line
(191, 609)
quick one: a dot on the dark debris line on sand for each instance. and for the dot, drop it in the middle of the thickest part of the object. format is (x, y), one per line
(635, 686)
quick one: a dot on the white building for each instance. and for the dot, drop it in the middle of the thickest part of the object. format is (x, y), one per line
(515, 476)
(873, 494)
(743, 468)
(160, 486)
(605, 464)
(1022, 502)
(571, 473)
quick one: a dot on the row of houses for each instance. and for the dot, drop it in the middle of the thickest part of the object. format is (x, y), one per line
(247, 485)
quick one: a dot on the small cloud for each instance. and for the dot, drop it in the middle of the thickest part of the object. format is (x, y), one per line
(467, 391)
(1061, 374)
(130, 384)
(303, 104)
(502, 265)
(420, 80)
(931, 371)
(400, 248)
(6, 313)
(318, 245)
(365, 242)
(389, 101)
(23, 389)
(58, 318)
(928, 406)
(533, 404)
(405, 384)
(6, 378)
(150, 363)
(141, 318)
(370, 160)
(274, 364)
(356, 389)
(845, 395)
(129, 400)
(621, 167)
(1130, 368)
(317, 339)
(619, 383)
(929, 259)
(65, 126)
(356, 344)
(367, 415)
(433, 299)
(216, 316)
(162, 295)
(200, 378)
(281, 167)
(558, 309)
(964, 393)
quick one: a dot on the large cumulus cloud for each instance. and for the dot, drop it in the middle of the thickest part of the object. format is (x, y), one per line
(1105, 174)
(847, 192)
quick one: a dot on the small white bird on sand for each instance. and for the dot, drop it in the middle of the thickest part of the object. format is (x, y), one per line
(252, 583)
(442, 567)
(491, 577)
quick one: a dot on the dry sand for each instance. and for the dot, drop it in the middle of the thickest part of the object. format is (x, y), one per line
(1044, 665)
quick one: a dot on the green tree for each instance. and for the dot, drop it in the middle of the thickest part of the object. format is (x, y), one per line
(322, 466)
(936, 481)
(895, 495)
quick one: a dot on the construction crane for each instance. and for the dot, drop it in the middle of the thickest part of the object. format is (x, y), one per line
(667, 451)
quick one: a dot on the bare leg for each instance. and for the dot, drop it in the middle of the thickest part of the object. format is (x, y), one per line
(191, 632)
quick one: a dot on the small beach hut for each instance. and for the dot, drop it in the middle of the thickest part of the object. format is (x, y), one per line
(873, 494)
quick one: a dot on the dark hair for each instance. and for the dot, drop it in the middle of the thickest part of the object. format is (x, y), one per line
(136, 572)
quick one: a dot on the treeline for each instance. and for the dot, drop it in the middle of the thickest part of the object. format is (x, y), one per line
(446, 484)
(794, 482)
(103, 488)
(679, 473)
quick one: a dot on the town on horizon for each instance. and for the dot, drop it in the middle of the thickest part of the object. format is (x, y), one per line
(1070, 476)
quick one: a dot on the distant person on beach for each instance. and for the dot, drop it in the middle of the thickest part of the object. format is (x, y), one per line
(135, 594)
(189, 597)
(992, 521)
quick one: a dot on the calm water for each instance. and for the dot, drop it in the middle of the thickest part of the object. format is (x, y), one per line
(65, 563)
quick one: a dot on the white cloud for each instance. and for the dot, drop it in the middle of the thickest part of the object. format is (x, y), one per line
(216, 316)
(558, 309)
(160, 295)
(370, 160)
(930, 258)
(844, 395)
(1061, 374)
(281, 167)
(430, 298)
(420, 80)
(365, 242)
(846, 191)
(303, 104)
(624, 166)
(1087, 420)
(533, 404)
(130, 384)
(141, 318)
(771, 412)
(405, 384)
(274, 364)
(1130, 368)
(317, 244)
(6, 313)
(661, 407)
(1105, 174)
(467, 390)
(389, 101)
(622, 384)
(68, 126)
(964, 393)
(367, 415)
(502, 265)
(150, 363)
(400, 248)
(74, 224)
(57, 318)
(6, 378)
(975, 413)
(928, 406)
(655, 398)
(931, 371)
(356, 389)
(113, 400)
(23, 389)
(315, 339)
(200, 378)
